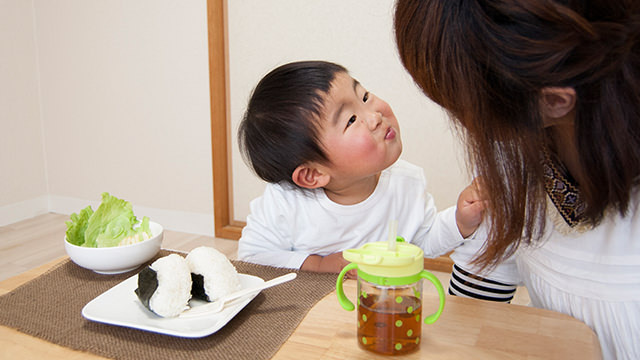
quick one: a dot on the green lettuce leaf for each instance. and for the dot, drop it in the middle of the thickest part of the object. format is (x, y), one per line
(117, 229)
(77, 226)
(144, 227)
(111, 222)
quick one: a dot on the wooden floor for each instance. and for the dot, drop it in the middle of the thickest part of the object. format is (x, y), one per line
(27, 244)
(33, 242)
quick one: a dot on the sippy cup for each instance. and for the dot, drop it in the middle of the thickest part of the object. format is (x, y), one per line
(389, 296)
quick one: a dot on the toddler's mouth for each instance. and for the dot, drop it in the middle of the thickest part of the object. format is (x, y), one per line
(390, 135)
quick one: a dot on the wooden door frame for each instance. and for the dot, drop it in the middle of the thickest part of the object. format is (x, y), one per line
(225, 225)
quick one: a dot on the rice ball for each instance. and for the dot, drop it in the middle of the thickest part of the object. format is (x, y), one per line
(213, 275)
(164, 287)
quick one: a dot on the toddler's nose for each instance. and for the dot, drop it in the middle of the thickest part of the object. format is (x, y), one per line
(374, 120)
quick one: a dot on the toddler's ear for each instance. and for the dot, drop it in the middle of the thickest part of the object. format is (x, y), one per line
(310, 176)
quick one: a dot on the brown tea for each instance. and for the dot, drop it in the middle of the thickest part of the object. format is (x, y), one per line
(389, 325)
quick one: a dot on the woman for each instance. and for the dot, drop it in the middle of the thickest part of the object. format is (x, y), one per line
(547, 95)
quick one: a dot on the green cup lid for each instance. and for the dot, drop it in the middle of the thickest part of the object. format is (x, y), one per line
(376, 259)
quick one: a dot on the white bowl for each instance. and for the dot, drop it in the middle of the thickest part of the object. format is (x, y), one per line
(117, 259)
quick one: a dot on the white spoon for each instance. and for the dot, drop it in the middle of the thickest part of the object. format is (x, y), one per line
(218, 305)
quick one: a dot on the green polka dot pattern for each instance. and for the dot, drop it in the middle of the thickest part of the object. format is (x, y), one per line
(390, 322)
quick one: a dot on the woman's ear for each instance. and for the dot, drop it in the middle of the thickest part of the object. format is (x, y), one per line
(557, 102)
(310, 176)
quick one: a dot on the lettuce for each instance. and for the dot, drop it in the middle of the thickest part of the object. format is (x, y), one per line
(112, 222)
(77, 226)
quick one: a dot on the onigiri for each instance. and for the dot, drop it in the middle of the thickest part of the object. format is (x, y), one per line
(164, 287)
(213, 275)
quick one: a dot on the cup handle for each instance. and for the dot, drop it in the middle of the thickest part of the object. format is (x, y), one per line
(429, 276)
(342, 298)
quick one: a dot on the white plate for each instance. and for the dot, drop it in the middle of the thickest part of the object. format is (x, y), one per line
(121, 306)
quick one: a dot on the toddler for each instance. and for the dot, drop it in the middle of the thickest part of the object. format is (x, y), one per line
(329, 150)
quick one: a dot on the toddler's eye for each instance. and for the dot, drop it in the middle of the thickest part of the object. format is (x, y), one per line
(352, 119)
(365, 97)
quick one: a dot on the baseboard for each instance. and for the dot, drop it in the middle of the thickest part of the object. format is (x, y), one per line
(23, 210)
(193, 223)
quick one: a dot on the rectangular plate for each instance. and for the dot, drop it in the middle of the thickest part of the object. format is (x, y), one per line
(121, 306)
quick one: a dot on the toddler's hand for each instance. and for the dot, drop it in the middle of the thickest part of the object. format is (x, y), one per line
(333, 263)
(470, 208)
(337, 262)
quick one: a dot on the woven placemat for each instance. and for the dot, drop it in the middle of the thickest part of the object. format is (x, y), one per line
(49, 307)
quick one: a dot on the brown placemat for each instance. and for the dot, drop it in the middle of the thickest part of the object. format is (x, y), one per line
(49, 307)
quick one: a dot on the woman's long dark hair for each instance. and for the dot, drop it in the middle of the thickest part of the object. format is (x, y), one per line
(486, 62)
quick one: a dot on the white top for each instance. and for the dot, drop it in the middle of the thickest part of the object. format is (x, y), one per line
(592, 275)
(286, 225)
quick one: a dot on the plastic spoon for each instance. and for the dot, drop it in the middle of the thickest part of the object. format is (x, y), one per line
(218, 305)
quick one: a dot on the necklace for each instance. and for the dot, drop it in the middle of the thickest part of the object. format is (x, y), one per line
(562, 190)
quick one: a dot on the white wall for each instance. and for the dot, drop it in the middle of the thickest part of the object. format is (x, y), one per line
(113, 96)
(359, 35)
(123, 107)
(22, 162)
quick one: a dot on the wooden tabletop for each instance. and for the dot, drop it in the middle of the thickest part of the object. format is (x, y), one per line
(467, 329)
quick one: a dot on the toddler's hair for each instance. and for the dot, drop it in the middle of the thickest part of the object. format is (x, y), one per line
(279, 130)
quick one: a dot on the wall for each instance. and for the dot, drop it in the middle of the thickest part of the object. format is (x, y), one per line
(123, 107)
(22, 162)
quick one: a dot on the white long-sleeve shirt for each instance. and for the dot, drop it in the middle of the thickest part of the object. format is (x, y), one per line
(505, 272)
(286, 225)
(592, 275)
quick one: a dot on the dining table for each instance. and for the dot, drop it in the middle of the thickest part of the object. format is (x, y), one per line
(467, 329)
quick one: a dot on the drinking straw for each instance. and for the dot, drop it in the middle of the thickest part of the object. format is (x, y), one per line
(393, 231)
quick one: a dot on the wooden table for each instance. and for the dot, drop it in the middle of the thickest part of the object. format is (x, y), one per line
(468, 329)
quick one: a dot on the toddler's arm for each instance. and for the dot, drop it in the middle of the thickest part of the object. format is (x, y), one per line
(261, 245)
(331, 263)
(267, 239)
(445, 230)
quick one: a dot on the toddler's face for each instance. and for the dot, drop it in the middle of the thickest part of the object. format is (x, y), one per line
(359, 131)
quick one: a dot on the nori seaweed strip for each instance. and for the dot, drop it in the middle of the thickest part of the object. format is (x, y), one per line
(197, 287)
(147, 285)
